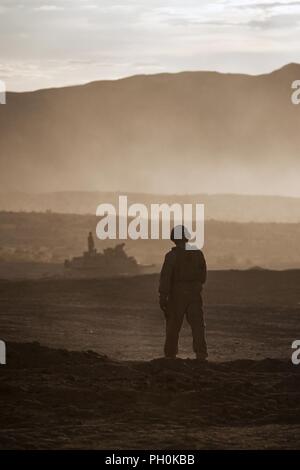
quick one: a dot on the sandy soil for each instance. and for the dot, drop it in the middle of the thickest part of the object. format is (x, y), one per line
(60, 399)
(126, 396)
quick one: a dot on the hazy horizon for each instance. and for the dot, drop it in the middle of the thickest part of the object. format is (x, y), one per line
(149, 193)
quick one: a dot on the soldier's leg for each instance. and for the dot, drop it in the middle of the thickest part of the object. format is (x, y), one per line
(195, 318)
(174, 320)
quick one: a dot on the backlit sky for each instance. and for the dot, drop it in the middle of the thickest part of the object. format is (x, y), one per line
(47, 43)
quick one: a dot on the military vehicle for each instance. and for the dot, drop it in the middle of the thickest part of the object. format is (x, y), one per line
(110, 263)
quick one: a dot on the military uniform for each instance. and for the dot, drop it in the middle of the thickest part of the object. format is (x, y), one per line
(181, 279)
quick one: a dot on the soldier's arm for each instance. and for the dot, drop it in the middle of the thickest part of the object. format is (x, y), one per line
(166, 275)
(203, 269)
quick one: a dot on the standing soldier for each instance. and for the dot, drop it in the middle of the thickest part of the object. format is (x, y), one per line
(91, 244)
(181, 279)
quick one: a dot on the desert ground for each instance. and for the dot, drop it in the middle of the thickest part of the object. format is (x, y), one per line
(85, 369)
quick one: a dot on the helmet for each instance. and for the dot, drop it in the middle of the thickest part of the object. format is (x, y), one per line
(180, 232)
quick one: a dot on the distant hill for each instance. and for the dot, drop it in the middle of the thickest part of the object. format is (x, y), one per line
(50, 238)
(191, 132)
(223, 207)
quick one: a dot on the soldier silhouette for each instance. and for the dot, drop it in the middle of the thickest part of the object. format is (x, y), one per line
(181, 279)
(91, 244)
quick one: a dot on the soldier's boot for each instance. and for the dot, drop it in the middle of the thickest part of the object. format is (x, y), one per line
(201, 357)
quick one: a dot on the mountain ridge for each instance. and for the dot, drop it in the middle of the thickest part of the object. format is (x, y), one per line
(288, 66)
(187, 132)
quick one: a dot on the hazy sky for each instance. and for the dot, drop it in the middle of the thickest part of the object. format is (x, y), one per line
(51, 43)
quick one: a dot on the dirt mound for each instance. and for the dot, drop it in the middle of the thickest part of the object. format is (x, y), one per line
(61, 399)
